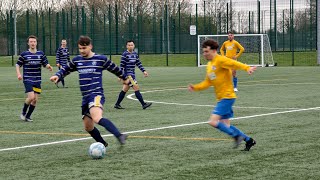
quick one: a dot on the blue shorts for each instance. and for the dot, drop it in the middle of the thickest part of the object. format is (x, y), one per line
(30, 87)
(132, 81)
(91, 101)
(224, 108)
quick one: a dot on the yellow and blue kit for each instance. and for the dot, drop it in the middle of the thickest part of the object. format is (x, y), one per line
(219, 75)
(231, 48)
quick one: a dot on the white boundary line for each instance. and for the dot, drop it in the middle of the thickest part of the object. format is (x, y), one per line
(130, 96)
(155, 129)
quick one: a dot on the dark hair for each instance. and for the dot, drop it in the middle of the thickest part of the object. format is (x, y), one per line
(129, 41)
(84, 40)
(230, 32)
(211, 43)
(32, 37)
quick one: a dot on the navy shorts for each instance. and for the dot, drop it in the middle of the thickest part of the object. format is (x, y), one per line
(133, 80)
(29, 87)
(91, 101)
(224, 108)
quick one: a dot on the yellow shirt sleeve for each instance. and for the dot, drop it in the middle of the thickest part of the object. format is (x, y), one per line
(241, 50)
(222, 49)
(228, 63)
(203, 85)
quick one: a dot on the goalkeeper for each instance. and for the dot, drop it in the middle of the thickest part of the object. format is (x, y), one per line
(219, 75)
(231, 47)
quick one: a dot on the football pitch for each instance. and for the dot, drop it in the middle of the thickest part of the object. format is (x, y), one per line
(278, 106)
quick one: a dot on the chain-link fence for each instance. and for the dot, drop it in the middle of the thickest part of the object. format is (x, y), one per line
(163, 29)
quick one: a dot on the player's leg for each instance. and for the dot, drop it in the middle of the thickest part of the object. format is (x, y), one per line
(93, 131)
(235, 80)
(29, 99)
(96, 115)
(220, 117)
(121, 96)
(136, 89)
(36, 91)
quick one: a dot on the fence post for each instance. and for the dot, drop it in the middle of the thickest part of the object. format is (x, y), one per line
(43, 34)
(179, 7)
(117, 29)
(50, 45)
(28, 23)
(57, 30)
(110, 40)
(154, 30)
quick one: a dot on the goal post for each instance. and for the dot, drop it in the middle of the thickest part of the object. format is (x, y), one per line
(257, 48)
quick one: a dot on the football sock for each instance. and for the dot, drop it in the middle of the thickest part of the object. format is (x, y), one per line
(109, 126)
(139, 96)
(222, 127)
(235, 82)
(120, 98)
(95, 134)
(31, 108)
(62, 82)
(25, 108)
(240, 133)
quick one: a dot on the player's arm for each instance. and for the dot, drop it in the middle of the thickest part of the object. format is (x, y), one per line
(45, 62)
(228, 63)
(114, 69)
(123, 62)
(241, 50)
(58, 57)
(19, 64)
(64, 71)
(68, 56)
(223, 47)
(200, 86)
(139, 65)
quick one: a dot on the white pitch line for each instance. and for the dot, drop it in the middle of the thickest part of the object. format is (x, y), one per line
(155, 129)
(130, 96)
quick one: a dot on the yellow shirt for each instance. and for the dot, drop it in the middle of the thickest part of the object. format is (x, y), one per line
(219, 75)
(231, 48)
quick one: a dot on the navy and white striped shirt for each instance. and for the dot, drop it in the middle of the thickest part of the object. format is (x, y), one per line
(90, 72)
(62, 56)
(31, 63)
(129, 61)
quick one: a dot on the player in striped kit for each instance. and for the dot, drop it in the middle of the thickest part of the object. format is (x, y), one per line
(62, 58)
(129, 61)
(31, 60)
(90, 66)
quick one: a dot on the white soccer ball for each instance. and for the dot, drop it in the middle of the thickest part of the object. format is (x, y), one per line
(97, 150)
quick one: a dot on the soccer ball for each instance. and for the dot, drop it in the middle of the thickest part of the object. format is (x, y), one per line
(97, 150)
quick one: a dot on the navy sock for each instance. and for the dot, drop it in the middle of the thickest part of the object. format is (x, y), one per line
(109, 126)
(31, 108)
(240, 133)
(139, 96)
(62, 82)
(235, 82)
(222, 127)
(120, 98)
(95, 134)
(25, 108)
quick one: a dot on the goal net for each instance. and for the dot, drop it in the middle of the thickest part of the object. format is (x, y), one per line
(257, 48)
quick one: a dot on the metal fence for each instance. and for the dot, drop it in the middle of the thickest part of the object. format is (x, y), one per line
(164, 29)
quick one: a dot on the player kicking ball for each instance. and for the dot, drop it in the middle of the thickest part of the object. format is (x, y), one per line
(90, 66)
(219, 75)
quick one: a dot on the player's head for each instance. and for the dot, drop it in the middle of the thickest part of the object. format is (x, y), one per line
(32, 42)
(84, 45)
(209, 49)
(130, 45)
(230, 35)
(63, 42)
